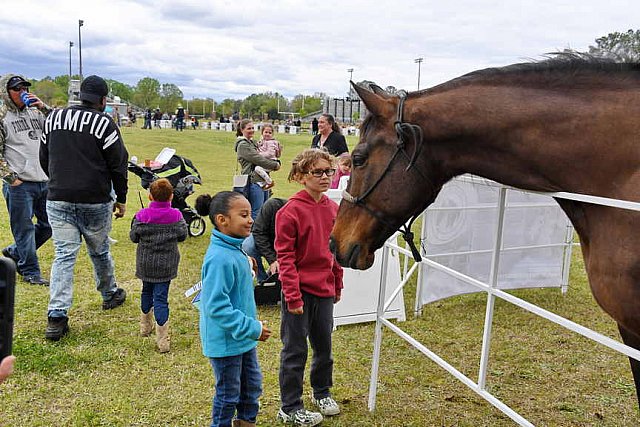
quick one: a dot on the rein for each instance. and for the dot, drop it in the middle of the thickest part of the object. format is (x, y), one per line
(402, 128)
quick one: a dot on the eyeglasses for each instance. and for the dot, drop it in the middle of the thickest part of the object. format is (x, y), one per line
(19, 88)
(319, 172)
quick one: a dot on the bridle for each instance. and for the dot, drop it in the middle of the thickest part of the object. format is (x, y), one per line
(402, 129)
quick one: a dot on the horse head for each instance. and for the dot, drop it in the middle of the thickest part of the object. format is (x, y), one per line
(391, 180)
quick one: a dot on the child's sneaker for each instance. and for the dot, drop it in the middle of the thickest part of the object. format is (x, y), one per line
(301, 417)
(327, 405)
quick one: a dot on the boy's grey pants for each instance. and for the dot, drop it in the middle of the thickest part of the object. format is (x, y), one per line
(316, 323)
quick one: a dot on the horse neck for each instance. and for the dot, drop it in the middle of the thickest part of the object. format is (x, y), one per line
(526, 137)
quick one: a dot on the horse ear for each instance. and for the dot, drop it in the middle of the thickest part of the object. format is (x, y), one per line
(375, 103)
(379, 91)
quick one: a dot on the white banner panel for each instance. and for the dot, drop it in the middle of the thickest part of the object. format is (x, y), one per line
(459, 231)
(359, 301)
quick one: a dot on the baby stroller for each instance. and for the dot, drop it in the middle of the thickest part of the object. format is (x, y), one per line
(182, 175)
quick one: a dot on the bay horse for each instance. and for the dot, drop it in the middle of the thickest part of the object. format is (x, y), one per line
(568, 123)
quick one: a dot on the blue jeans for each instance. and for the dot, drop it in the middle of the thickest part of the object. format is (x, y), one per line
(156, 295)
(249, 246)
(25, 201)
(238, 387)
(257, 197)
(70, 223)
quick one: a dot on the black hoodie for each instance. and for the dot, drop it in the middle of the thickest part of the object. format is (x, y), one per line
(83, 154)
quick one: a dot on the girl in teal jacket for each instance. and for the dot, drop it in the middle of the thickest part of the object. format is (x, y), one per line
(229, 329)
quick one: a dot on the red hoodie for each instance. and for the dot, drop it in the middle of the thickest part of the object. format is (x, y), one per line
(303, 227)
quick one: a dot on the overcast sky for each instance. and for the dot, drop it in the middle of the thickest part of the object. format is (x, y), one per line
(225, 48)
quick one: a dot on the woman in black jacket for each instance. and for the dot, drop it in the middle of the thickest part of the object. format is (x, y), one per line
(329, 136)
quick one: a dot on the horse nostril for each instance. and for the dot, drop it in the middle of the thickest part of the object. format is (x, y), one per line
(332, 245)
(352, 256)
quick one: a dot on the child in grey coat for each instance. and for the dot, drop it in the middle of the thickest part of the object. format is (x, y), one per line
(157, 231)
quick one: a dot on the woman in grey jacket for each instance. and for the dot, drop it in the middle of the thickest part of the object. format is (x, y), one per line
(249, 158)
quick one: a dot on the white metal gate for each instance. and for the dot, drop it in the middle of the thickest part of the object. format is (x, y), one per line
(479, 386)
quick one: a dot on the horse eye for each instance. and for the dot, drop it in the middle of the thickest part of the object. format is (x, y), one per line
(358, 160)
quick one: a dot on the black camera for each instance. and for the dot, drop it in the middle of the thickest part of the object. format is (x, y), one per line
(7, 293)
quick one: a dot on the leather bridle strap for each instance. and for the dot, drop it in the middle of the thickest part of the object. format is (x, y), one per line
(416, 134)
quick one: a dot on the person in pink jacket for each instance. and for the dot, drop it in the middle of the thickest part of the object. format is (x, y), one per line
(311, 284)
(344, 169)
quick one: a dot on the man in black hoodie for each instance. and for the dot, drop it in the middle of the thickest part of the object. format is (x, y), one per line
(84, 156)
(260, 243)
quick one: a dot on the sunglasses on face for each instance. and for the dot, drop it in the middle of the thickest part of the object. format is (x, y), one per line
(19, 88)
(319, 172)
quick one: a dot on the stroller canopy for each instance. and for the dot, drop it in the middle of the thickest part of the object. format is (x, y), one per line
(176, 168)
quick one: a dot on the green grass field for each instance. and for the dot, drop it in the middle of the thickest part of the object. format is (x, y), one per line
(104, 374)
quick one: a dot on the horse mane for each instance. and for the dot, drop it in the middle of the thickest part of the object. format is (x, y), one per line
(560, 69)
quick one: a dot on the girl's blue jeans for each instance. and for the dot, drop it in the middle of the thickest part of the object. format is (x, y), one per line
(156, 295)
(238, 387)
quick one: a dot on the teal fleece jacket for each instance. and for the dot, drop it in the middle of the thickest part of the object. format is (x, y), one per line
(228, 324)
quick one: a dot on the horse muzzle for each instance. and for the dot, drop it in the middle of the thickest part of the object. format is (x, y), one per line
(355, 256)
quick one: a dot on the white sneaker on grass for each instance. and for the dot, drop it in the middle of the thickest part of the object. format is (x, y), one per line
(301, 417)
(327, 405)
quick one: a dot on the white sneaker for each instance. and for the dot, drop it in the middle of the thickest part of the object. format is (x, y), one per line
(301, 417)
(327, 405)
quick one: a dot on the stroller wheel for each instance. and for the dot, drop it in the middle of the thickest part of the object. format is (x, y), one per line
(197, 226)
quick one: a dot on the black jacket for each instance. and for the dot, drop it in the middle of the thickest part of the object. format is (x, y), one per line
(335, 143)
(264, 228)
(82, 152)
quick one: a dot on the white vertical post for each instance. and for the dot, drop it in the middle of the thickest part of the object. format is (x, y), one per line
(377, 342)
(495, 267)
(566, 263)
(417, 307)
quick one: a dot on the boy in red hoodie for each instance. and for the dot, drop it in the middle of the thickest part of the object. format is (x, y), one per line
(311, 283)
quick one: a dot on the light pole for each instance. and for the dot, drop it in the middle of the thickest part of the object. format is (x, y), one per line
(350, 71)
(80, 23)
(418, 61)
(70, 46)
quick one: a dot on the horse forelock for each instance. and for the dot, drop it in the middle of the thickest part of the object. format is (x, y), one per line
(366, 125)
(369, 124)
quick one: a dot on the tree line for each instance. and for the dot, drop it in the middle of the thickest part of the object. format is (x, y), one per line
(150, 93)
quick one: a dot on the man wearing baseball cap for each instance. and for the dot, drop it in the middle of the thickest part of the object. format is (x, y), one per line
(24, 182)
(83, 153)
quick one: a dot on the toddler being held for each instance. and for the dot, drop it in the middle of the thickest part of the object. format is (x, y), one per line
(271, 149)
